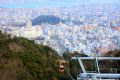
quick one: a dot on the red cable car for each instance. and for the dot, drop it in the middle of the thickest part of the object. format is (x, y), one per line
(61, 67)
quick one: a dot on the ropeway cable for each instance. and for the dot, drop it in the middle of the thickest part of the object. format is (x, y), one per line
(69, 74)
(67, 70)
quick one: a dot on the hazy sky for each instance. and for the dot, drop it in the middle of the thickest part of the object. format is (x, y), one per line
(49, 3)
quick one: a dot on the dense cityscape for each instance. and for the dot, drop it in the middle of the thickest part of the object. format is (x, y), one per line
(92, 29)
(60, 40)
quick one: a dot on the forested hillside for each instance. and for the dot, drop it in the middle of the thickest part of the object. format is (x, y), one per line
(22, 59)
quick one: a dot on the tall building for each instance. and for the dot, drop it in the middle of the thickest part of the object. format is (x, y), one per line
(29, 23)
(60, 23)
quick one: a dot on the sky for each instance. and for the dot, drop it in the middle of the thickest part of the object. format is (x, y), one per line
(50, 3)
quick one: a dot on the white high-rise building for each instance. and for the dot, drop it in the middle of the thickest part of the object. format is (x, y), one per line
(29, 23)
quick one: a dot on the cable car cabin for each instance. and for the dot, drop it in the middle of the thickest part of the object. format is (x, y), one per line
(61, 68)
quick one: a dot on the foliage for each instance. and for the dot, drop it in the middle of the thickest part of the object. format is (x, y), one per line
(74, 64)
(49, 19)
(22, 59)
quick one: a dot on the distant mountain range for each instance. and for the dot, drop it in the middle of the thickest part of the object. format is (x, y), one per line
(49, 19)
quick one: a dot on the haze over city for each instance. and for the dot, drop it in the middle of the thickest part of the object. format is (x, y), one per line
(51, 3)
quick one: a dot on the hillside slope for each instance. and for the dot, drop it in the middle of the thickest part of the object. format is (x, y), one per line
(22, 59)
(49, 19)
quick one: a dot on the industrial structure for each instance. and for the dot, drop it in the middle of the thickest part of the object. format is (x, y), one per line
(96, 75)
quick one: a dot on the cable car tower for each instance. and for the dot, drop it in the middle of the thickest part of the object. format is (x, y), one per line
(96, 75)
